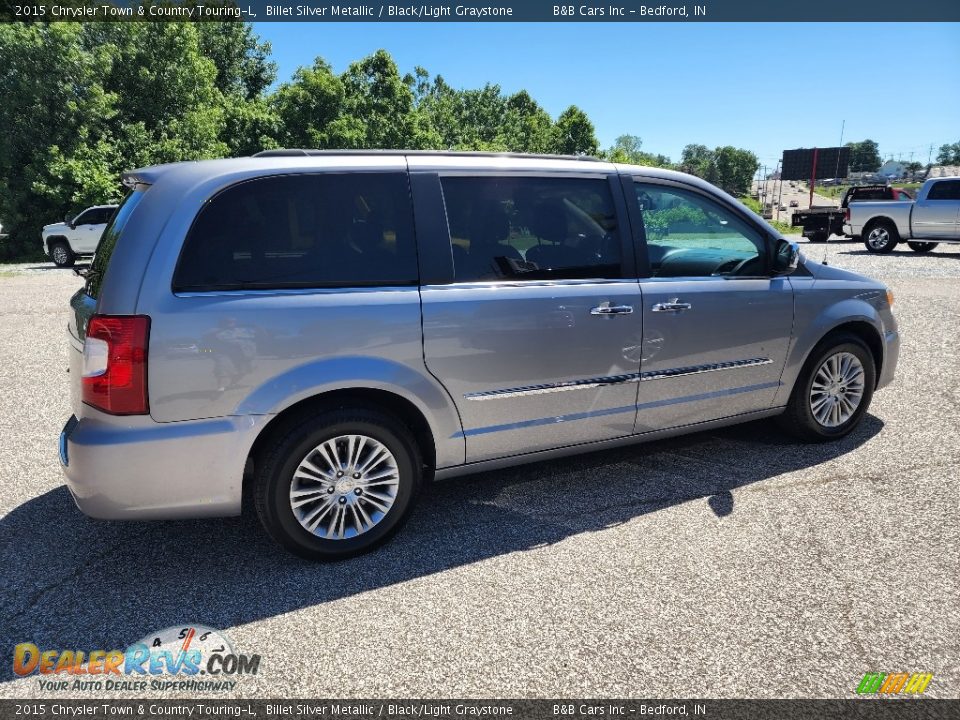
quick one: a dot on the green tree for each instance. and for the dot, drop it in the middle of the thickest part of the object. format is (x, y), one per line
(378, 107)
(308, 105)
(81, 103)
(698, 160)
(626, 149)
(525, 126)
(574, 134)
(949, 154)
(54, 150)
(864, 156)
(735, 169)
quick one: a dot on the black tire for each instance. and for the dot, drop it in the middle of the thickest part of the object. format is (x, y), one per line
(818, 237)
(921, 247)
(61, 254)
(798, 419)
(881, 237)
(293, 443)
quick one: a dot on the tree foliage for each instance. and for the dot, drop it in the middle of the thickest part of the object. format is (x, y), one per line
(949, 154)
(730, 168)
(626, 149)
(81, 103)
(864, 156)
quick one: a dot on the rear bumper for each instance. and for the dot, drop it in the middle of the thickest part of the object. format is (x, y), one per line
(135, 468)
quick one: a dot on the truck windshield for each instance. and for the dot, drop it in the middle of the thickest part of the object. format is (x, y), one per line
(108, 241)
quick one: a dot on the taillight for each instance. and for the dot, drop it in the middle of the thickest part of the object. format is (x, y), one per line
(846, 214)
(115, 364)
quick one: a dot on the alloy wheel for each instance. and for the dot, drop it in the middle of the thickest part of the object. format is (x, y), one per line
(837, 389)
(344, 486)
(878, 238)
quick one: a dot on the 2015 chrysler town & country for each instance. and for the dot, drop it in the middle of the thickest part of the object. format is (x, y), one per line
(342, 325)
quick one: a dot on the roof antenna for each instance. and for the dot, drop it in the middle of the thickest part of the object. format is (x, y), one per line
(826, 245)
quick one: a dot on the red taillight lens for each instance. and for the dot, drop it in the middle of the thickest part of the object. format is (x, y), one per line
(115, 364)
(846, 215)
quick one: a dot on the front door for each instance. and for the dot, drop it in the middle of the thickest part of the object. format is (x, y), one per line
(537, 336)
(936, 216)
(716, 325)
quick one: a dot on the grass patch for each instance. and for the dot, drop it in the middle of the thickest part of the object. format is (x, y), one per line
(785, 228)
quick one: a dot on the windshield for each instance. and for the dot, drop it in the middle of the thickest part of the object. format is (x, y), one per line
(108, 241)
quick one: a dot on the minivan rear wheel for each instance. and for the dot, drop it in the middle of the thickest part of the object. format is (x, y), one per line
(337, 484)
(833, 391)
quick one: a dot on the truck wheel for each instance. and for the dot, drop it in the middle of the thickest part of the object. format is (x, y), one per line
(338, 483)
(62, 254)
(881, 237)
(922, 247)
(818, 237)
(833, 391)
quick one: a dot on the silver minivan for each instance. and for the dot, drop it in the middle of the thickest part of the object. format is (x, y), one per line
(322, 331)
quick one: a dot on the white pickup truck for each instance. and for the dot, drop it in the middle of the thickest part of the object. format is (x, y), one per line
(63, 242)
(933, 218)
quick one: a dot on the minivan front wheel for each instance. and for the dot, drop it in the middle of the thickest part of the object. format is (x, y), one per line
(338, 484)
(833, 392)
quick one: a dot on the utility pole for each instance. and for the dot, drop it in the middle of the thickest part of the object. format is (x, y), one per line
(779, 173)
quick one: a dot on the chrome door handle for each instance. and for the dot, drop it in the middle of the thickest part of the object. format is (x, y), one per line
(671, 305)
(605, 308)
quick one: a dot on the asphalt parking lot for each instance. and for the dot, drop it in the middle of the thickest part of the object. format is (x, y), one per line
(732, 563)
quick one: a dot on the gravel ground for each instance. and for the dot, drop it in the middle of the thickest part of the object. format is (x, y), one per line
(725, 564)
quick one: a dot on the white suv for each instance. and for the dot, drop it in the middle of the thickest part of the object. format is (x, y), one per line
(65, 241)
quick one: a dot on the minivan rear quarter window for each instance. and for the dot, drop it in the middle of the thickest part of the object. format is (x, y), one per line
(321, 230)
(108, 241)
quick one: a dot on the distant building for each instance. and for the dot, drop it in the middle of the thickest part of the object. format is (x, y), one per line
(892, 169)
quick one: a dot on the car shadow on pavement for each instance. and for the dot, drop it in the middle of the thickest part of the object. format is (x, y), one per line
(70, 582)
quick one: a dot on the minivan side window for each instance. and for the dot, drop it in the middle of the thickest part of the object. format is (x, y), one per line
(532, 228)
(302, 231)
(689, 235)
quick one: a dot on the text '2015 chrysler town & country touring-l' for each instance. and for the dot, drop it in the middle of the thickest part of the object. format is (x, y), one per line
(336, 327)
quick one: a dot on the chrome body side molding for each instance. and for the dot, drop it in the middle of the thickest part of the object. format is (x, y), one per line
(613, 380)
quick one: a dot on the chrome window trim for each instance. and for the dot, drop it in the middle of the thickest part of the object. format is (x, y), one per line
(613, 380)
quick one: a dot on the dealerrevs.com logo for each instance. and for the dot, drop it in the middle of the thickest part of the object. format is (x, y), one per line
(191, 658)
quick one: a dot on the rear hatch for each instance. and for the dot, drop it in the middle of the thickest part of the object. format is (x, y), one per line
(84, 302)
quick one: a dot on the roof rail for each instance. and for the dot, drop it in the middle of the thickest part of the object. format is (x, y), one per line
(301, 152)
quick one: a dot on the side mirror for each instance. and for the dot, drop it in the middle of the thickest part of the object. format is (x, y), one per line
(787, 257)
(68, 219)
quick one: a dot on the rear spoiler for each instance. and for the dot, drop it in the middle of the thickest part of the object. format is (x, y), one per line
(134, 179)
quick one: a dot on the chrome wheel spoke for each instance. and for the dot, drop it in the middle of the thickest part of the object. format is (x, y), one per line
(344, 487)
